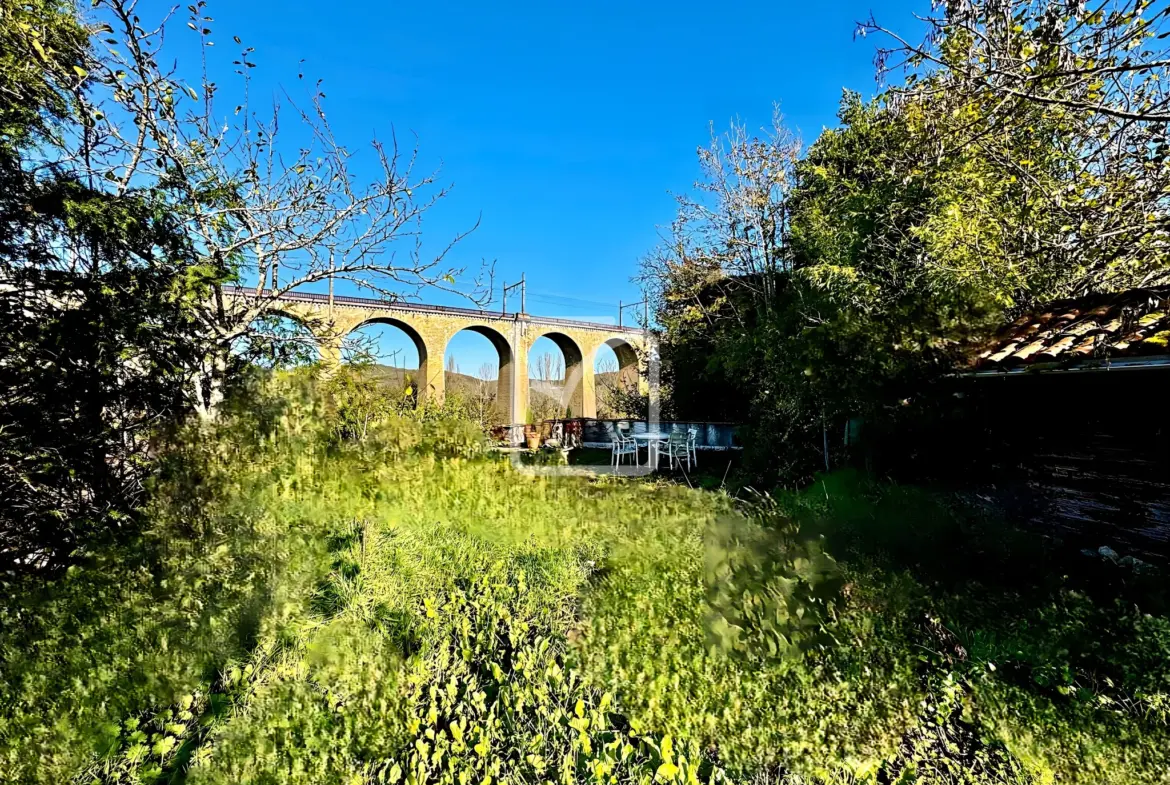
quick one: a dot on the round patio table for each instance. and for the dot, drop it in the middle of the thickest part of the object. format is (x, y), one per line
(652, 439)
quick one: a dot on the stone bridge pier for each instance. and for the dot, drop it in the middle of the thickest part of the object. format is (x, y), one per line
(432, 327)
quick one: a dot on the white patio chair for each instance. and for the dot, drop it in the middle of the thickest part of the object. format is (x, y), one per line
(621, 446)
(692, 445)
(677, 449)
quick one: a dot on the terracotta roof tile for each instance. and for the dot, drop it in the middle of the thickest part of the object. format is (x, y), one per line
(1085, 347)
(1160, 340)
(1062, 345)
(1134, 322)
(1029, 350)
(1081, 327)
(1151, 319)
(1002, 353)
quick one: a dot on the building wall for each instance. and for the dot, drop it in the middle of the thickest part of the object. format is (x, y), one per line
(1084, 457)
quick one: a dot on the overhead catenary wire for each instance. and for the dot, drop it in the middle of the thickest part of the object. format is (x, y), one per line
(574, 306)
(469, 289)
(561, 298)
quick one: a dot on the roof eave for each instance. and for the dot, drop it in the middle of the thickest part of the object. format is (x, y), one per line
(1092, 366)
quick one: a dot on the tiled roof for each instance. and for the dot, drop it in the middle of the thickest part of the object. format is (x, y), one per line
(1090, 329)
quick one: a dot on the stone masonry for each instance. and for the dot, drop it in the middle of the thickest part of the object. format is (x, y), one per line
(432, 327)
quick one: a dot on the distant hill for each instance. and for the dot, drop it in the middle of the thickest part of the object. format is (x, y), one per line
(544, 396)
(396, 378)
(550, 388)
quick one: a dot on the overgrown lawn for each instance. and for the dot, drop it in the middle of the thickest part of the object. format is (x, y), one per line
(410, 610)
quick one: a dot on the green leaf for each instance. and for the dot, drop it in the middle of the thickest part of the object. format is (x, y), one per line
(666, 771)
(667, 749)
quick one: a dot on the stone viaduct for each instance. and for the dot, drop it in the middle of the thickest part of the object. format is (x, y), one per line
(431, 327)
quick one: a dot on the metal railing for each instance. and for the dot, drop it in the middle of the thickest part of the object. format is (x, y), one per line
(422, 308)
(594, 432)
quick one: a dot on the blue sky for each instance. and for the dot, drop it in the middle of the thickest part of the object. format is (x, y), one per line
(563, 128)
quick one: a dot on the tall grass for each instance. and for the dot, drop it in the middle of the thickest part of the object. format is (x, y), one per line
(410, 610)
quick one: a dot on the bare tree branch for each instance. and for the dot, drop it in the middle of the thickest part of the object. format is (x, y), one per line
(271, 207)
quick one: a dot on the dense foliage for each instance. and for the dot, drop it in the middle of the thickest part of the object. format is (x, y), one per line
(303, 609)
(95, 324)
(127, 202)
(803, 288)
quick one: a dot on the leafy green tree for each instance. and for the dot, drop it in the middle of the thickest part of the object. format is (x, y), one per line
(126, 206)
(95, 326)
(361, 400)
(722, 267)
(43, 51)
(892, 268)
(798, 291)
(1067, 105)
(960, 198)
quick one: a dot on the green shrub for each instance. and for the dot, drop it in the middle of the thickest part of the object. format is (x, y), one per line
(452, 437)
(91, 658)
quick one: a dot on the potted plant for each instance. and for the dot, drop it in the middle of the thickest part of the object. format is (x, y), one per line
(531, 432)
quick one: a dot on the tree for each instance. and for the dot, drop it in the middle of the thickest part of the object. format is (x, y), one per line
(360, 400)
(722, 264)
(544, 400)
(1085, 86)
(262, 206)
(1022, 160)
(96, 330)
(549, 367)
(43, 51)
(275, 341)
(618, 393)
(131, 198)
(933, 213)
(482, 402)
(733, 227)
(1100, 59)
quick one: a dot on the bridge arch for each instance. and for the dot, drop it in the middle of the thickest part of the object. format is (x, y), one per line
(428, 365)
(627, 357)
(573, 393)
(622, 372)
(506, 365)
(433, 326)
